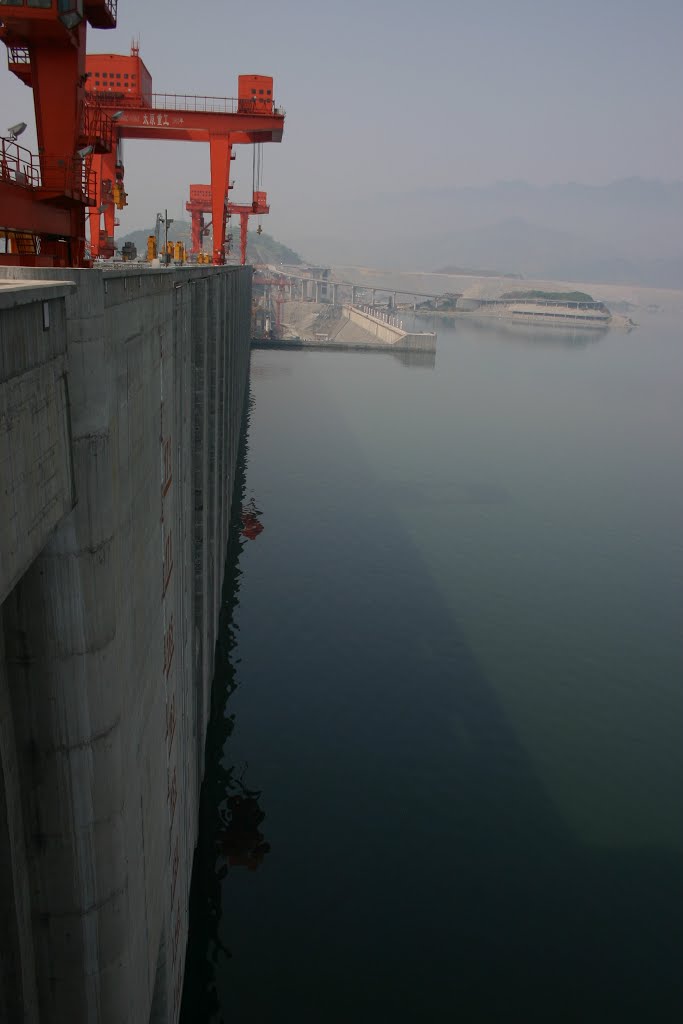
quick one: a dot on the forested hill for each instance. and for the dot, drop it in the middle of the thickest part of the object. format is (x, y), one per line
(260, 248)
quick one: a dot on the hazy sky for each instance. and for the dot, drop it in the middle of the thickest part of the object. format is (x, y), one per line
(404, 95)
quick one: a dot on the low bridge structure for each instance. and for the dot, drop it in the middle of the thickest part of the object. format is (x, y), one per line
(319, 285)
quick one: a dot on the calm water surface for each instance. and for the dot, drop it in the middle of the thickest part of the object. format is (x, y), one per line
(445, 763)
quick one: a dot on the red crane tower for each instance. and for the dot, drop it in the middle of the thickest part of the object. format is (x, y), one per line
(200, 202)
(272, 282)
(123, 86)
(43, 198)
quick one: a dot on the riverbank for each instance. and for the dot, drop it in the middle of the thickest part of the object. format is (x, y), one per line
(505, 312)
(636, 301)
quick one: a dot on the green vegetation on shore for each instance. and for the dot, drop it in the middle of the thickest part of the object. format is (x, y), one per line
(266, 249)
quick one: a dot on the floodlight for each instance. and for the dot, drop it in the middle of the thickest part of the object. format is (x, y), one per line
(117, 116)
(86, 151)
(72, 18)
(16, 130)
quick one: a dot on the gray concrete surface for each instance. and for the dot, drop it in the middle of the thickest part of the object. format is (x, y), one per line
(109, 638)
(36, 480)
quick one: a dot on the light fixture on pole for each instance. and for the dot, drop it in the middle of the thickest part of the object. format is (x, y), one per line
(16, 130)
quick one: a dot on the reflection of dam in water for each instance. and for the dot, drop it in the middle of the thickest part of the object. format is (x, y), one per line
(232, 831)
(553, 337)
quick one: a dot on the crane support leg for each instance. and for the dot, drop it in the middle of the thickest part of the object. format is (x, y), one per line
(104, 166)
(197, 231)
(95, 231)
(221, 152)
(59, 111)
(244, 227)
(109, 226)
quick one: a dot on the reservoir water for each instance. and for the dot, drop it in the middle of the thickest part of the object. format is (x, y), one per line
(445, 763)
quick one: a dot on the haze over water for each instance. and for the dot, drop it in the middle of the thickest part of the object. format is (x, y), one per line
(452, 685)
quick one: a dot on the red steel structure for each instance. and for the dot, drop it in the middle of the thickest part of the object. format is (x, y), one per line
(200, 202)
(123, 86)
(43, 198)
(80, 118)
(265, 280)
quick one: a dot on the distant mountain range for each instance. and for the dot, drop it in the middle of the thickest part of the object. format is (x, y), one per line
(626, 232)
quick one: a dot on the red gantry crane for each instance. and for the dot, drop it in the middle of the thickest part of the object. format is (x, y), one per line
(200, 202)
(273, 281)
(123, 86)
(43, 198)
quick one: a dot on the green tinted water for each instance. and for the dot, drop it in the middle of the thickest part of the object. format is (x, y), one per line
(450, 680)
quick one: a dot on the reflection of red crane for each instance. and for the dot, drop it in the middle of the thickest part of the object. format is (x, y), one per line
(250, 522)
(200, 203)
(43, 198)
(240, 839)
(123, 85)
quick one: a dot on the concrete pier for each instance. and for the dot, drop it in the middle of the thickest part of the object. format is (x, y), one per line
(387, 330)
(121, 400)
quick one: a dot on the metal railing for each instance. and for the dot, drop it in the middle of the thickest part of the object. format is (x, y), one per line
(212, 104)
(18, 165)
(184, 103)
(378, 314)
(18, 55)
(97, 127)
(21, 167)
(195, 104)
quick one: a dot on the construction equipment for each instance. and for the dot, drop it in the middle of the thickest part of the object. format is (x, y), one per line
(123, 86)
(46, 196)
(129, 252)
(201, 202)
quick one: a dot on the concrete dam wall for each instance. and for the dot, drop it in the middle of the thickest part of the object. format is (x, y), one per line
(121, 402)
(35, 444)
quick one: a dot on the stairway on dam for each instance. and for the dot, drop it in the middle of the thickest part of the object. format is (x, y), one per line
(121, 403)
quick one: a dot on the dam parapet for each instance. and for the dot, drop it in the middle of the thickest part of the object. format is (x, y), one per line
(388, 329)
(121, 404)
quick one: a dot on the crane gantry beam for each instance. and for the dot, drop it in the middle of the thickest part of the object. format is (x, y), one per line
(123, 85)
